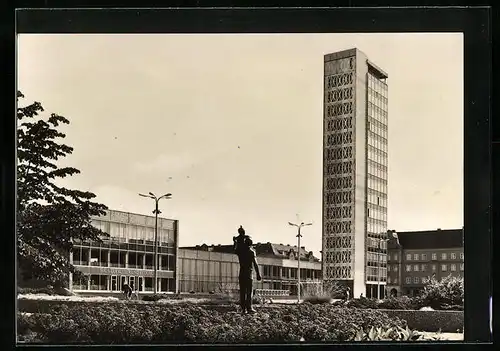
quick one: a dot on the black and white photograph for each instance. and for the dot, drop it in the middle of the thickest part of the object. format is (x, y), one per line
(240, 188)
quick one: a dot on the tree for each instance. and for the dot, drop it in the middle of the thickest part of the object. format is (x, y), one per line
(449, 291)
(49, 216)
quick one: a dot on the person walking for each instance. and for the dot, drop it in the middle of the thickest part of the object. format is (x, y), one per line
(248, 262)
(127, 290)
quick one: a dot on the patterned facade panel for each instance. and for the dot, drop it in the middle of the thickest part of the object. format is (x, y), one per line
(167, 224)
(339, 167)
(120, 217)
(137, 219)
(339, 272)
(150, 221)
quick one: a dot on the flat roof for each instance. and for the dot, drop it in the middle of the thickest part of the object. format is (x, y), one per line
(379, 72)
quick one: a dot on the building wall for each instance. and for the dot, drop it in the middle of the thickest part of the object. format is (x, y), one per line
(360, 247)
(348, 90)
(206, 271)
(128, 254)
(339, 166)
(423, 264)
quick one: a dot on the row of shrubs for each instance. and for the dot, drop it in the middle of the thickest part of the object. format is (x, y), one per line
(49, 290)
(129, 323)
(446, 294)
(399, 303)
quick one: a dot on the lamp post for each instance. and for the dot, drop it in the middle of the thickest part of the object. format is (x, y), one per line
(299, 226)
(156, 212)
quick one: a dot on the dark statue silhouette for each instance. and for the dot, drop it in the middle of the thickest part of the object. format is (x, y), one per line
(247, 257)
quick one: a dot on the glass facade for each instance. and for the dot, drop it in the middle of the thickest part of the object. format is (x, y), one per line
(205, 271)
(127, 255)
(376, 189)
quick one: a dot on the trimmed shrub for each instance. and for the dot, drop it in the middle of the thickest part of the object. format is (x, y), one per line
(45, 290)
(154, 297)
(318, 299)
(362, 303)
(136, 323)
(401, 303)
(431, 321)
(449, 291)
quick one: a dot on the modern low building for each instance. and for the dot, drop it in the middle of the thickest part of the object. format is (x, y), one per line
(204, 268)
(414, 257)
(127, 255)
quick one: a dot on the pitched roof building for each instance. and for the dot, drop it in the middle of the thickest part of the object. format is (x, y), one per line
(263, 250)
(415, 256)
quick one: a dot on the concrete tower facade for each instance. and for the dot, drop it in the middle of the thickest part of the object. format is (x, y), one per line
(354, 250)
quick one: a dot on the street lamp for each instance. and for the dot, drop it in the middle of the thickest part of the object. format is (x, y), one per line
(156, 212)
(302, 224)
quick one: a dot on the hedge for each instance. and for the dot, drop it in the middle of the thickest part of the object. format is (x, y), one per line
(148, 323)
(431, 321)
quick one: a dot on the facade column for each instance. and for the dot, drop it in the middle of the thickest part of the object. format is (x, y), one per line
(143, 260)
(70, 281)
(109, 258)
(159, 284)
(88, 282)
(126, 259)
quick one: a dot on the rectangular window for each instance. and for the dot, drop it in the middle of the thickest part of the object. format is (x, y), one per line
(424, 257)
(416, 268)
(395, 268)
(408, 268)
(461, 255)
(433, 267)
(408, 280)
(408, 257)
(416, 280)
(461, 266)
(415, 257)
(389, 280)
(434, 256)
(453, 267)
(453, 256)
(444, 267)
(388, 268)
(443, 256)
(395, 280)
(395, 256)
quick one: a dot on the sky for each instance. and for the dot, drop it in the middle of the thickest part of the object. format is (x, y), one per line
(232, 125)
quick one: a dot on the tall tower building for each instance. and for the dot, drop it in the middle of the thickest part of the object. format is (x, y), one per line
(354, 252)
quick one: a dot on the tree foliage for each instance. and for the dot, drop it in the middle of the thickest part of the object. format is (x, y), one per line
(49, 216)
(449, 291)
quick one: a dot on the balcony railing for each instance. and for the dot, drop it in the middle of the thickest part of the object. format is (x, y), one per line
(272, 292)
